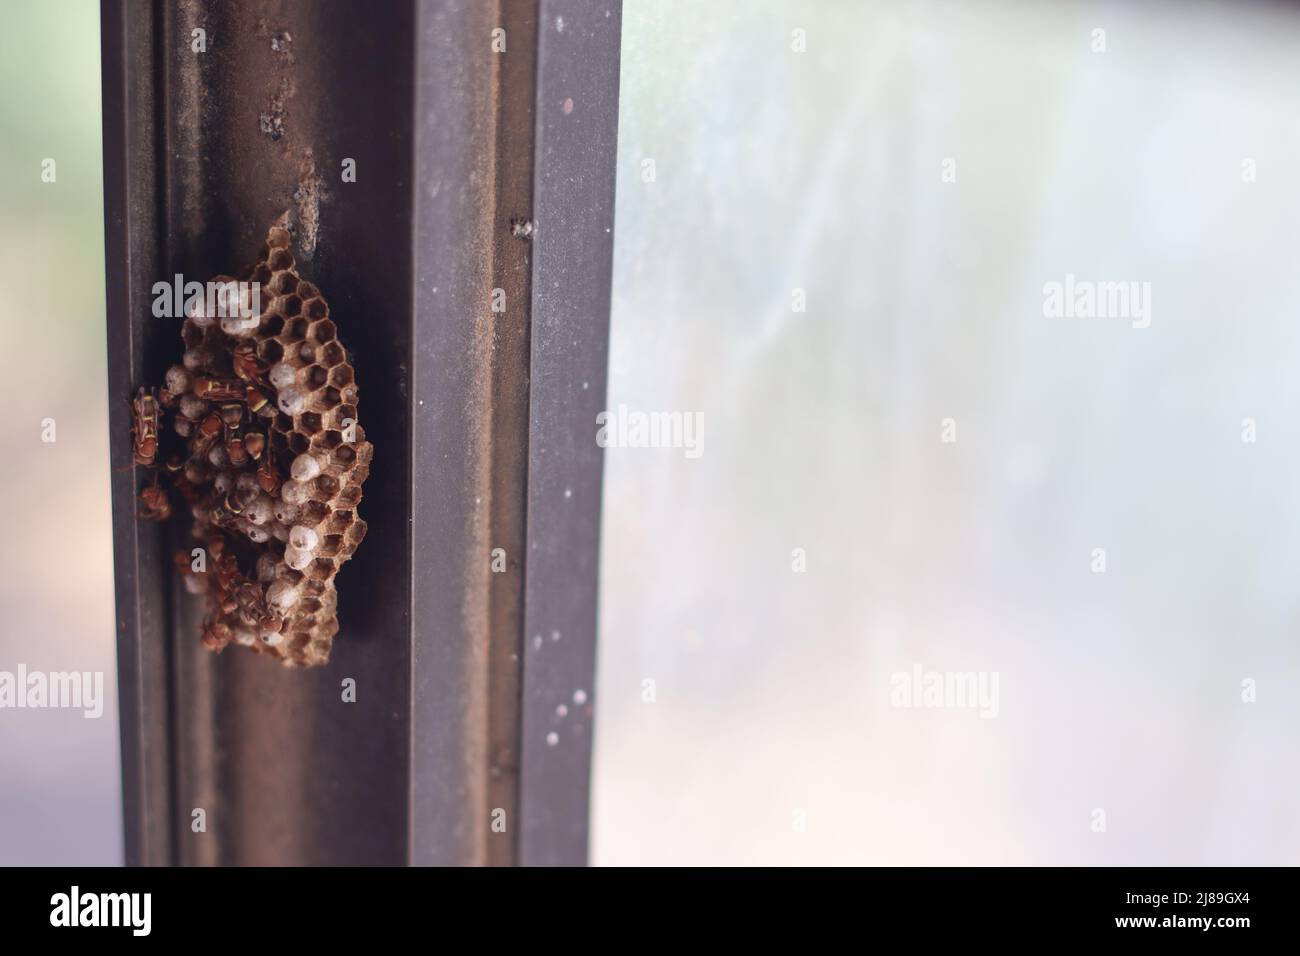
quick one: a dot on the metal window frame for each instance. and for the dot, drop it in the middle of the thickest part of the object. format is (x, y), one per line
(476, 170)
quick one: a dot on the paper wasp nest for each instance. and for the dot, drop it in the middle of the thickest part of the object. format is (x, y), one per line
(271, 462)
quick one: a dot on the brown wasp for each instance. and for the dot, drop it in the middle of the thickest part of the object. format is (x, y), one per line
(248, 366)
(226, 569)
(215, 635)
(232, 416)
(209, 431)
(250, 601)
(254, 444)
(256, 399)
(226, 511)
(157, 506)
(267, 476)
(144, 428)
(219, 389)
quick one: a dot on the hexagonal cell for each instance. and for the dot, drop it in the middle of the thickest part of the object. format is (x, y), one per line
(357, 533)
(296, 331)
(332, 355)
(283, 284)
(313, 513)
(323, 331)
(271, 351)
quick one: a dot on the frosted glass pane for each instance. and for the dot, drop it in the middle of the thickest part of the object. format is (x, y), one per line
(956, 462)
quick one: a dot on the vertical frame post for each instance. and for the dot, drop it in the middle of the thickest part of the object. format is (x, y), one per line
(475, 175)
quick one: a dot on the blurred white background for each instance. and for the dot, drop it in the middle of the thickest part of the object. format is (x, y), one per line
(1119, 691)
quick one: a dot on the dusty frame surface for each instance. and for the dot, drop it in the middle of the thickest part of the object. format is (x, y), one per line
(477, 169)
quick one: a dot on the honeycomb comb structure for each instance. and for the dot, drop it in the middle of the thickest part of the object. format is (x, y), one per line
(272, 464)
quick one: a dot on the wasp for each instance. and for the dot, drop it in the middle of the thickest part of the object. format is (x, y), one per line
(254, 444)
(248, 366)
(156, 505)
(235, 449)
(219, 389)
(268, 477)
(226, 569)
(227, 510)
(251, 604)
(256, 399)
(209, 431)
(232, 416)
(215, 635)
(144, 427)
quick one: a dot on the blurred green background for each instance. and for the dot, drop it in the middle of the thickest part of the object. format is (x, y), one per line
(59, 789)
